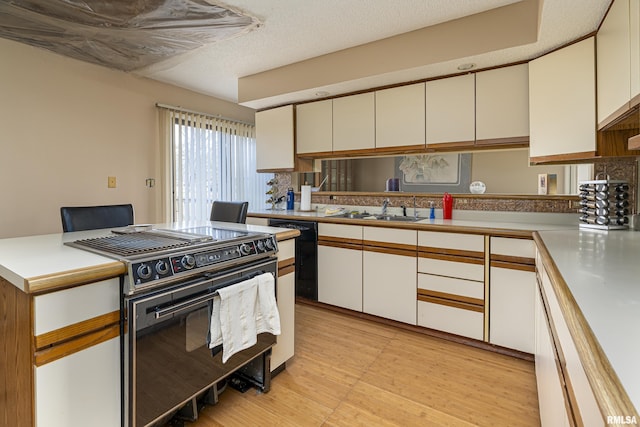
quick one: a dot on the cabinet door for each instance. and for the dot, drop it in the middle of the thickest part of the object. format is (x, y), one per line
(450, 110)
(634, 30)
(314, 127)
(400, 116)
(274, 139)
(614, 78)
(286, 298)
(502, 104)
(82, 389)
(340, 265)
(511, 310)
(562, 103)
(340, 277)
(389, 286)
(354, 122)
(286, 295)
(550, 394)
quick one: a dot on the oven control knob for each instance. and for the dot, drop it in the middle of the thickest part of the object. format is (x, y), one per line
(269, 243)
(245, 249)
(144, 271)
(162, 267)
(188, 262)
(261, 245)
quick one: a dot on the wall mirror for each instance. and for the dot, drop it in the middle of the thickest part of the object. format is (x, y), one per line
(501, 171)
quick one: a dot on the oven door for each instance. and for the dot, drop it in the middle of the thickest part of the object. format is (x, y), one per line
(167, 360)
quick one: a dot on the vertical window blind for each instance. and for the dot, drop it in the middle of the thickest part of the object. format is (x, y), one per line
(211, 159)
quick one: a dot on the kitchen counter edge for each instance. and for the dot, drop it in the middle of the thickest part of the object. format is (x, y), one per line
(92, 268)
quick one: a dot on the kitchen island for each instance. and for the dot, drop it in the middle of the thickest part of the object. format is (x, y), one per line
(61, 311)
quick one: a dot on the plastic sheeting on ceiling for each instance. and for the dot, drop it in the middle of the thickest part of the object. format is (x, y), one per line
(121, 34)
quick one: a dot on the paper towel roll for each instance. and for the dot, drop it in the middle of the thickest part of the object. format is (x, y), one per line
(305, 198)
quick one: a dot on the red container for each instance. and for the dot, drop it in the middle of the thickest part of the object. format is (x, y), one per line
(447, 206)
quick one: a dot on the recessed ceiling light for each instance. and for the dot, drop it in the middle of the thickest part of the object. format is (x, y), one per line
(465, 67)
(322, 93)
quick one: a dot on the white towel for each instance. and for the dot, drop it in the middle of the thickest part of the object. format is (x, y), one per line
(242, 311)
(267, 316)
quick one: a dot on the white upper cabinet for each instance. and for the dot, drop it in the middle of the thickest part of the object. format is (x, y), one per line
(274, 139)
(450, 110)
(314, 127)
(502, 103)
(354, 122)
(400, 116)
(562, 103)
(634, 29)
(614, 67)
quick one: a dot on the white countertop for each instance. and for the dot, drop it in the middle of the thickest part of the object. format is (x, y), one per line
(602, 272)
(520, 221)
(22, 258)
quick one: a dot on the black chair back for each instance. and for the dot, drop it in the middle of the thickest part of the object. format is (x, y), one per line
(78, 218)
(229, 211)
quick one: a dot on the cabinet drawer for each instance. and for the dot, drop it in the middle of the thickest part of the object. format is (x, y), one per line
(286, 250)
(70, 306)
(451, 319)
(390, 235)
(510, 247)
(450, 285)
(464, 242)
(460, 270)
(339, 230)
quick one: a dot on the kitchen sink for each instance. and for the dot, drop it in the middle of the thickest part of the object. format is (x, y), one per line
(357, 215)
(398, 218)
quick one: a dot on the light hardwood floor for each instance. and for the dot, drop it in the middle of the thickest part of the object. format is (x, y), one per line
(349, 371)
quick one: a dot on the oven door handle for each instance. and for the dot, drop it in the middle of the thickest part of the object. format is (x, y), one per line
(185, 305)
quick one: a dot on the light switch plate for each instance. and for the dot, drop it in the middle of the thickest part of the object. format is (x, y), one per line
(111, 182)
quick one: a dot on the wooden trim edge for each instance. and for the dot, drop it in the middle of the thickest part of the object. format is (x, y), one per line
(72, 278)
(70, 332)
(452, 303)
(513, 266)
(560, 158)
(451, 252)
(451, 297)
(83, 342)
(452, 258)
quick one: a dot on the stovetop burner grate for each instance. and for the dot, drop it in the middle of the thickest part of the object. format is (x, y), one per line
(128, 245)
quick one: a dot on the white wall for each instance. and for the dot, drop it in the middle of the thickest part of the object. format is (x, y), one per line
(65, 126)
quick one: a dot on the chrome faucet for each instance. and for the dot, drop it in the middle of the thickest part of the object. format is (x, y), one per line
(385, 204)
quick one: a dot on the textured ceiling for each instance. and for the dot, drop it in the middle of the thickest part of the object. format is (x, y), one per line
(296, 30)
(284, 32)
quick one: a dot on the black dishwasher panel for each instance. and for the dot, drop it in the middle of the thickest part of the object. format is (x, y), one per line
(306, 256)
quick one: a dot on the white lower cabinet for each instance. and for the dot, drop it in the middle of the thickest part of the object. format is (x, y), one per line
(459, 321)
(340, 265)
(564, 391)
(451, 283)
(340, 277)
(511, 310)
(389, 273)
(550, 393)
(389, 286)
(82, 389)
(286, 299)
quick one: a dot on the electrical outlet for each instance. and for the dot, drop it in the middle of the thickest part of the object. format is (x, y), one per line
(111, 182)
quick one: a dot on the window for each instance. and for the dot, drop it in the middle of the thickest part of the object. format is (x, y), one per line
(212, 159)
